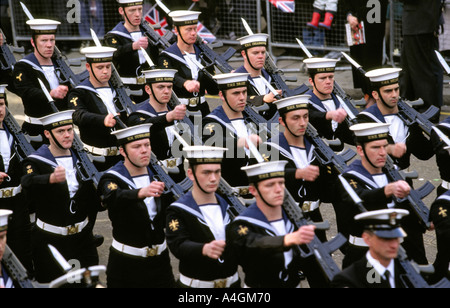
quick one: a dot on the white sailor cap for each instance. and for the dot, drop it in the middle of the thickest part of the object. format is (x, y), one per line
(185, 18)
(43, 26)
(98, 54)
(58, 119)
(132, 134)
(4, 218)
(320, 65)
(254, 40)
(197, 155)
(159, 75)
(265, 171)
(128, 3)
(368, 132)
(384, 223)
(3, 91)
(232, 80)
(292, 103)
(384, 77)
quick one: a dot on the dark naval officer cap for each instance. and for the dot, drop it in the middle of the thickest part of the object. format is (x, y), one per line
(384, 223)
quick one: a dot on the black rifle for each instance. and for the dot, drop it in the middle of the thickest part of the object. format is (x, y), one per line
(411, 116)
(17, 271)
(155, 39)
(415, 196)
(320, 251)
(8, 56)
(66, 75)
(22, 141)
(280, 80)
(412, 277)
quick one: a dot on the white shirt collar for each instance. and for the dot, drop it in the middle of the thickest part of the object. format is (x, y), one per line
(381, 269)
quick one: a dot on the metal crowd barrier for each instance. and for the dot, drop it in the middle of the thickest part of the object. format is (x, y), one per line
(261, 15)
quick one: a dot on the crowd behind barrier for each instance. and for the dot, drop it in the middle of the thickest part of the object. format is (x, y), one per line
(223, 19)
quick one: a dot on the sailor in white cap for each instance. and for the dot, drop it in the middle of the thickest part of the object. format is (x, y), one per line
(10, 189)
(39, 65)
(327, 113)
(405, 139)
(196, 223)
(139, 257)
(63, 201)
(254, 50)
(369, 179)
(94, 103)
(190, 83)
(226, 126)
(5, 279)
(440, 217)
(263, 237)
(442, 150)
(379, 268)
(155, 110)
(128, 37)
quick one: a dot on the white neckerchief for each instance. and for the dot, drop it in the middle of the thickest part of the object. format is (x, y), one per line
(300, 157)
(214, 218)
(71, 173)
(141, 182)
(382, 180)
(330, 106)
(136, 36)
(241, 131)
(280, 229)
(398, 130)
(50, 74)
(381, 269)
(260, 85)
(192, 66)
(5, 149)
(107, 96)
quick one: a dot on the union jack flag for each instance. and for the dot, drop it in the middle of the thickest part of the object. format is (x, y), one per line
(287, 6)
(205, 34)
(153, 17)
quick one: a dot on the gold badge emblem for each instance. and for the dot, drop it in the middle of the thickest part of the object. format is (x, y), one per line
(114, 41)
(74, 101)
(174, 225)
(112, 186)
(353, 183)
(166, 64)
(29, 169)
(210, 127)
(442, 212)
(242, 230)
(19, 77)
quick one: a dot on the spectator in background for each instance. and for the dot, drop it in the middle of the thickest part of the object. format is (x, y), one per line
(370, 54)
(91, 17)
(321, 6)
(422, 75)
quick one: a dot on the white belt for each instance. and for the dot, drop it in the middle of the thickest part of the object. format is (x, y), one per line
(172, 162)
(134, 80)
(10, 192)
(218, 283)
(69, 230)
(357, 241)
(34, 121)
(192, 102)
(112, 151)
(310, 206)
(445, 185)
(145, 252)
